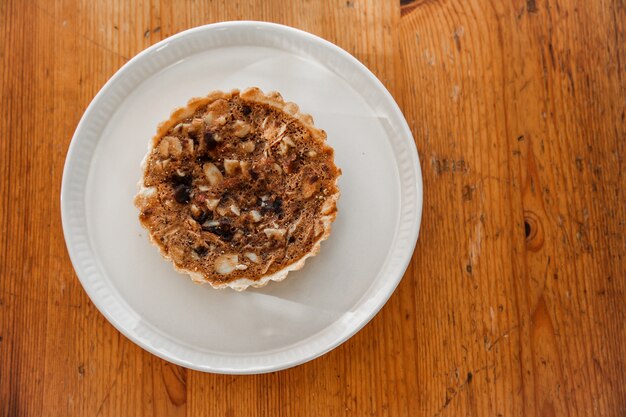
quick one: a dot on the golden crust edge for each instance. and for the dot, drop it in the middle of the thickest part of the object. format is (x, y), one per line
(273, 98)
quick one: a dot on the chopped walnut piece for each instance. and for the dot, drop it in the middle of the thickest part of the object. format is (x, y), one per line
(277, 169)
(255, 216)
(241, 128)
(211, 203)
(252, 257)
(274, 233)
(309, 188)
(245, 168)
(288, 141)
(208, 118)
(213, 174)
(248, 146)
(226, 264)
(231, 166)
(197, 124)
(170, 145)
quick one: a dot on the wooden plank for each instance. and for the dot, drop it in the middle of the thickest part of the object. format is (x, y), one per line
(89, 366)
(521, 136)
(25, 145)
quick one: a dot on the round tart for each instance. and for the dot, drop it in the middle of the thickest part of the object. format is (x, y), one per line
(238, 188)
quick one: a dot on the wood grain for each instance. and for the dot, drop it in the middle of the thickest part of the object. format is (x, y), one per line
(514, 303)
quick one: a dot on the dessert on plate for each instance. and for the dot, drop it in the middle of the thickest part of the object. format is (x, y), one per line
(238, 188)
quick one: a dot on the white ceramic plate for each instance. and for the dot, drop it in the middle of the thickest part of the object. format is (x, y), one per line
(283, 324)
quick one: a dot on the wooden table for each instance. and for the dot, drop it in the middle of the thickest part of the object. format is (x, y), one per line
(514, 301)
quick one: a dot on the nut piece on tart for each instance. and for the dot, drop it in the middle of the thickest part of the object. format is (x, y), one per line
(238, 188)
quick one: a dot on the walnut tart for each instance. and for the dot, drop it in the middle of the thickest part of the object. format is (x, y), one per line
(239, 188)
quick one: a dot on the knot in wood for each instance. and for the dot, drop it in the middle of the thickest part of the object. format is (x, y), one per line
(533, 229)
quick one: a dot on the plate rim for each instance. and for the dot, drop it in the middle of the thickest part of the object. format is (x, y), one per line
(73, 251)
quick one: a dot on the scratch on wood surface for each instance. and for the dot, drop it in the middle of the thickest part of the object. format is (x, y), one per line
(504, 335)
(455, 93)
(475, 245)
(429, 57)
(458, 33)
(452, 393)
(63, 24)
(115, 378)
